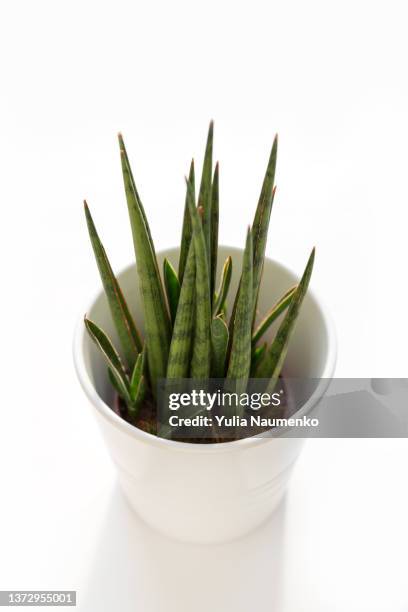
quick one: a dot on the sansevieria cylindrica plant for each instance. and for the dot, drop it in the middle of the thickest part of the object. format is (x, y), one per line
(193, 329)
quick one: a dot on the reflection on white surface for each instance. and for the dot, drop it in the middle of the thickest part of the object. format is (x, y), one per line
(133, 564)
(328, 548)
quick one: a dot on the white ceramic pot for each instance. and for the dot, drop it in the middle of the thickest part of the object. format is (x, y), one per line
(205, 492)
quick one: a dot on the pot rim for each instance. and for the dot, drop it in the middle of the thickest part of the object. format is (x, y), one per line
(213, 447)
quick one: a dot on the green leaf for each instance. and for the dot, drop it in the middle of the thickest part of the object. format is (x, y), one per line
(187, 229)
(214, 229)
(171, 282)
(204, 196)
(156, 318)
(111, 357)
(183, 330)
(116, 386)
(223, 288)
(232, 318)
(261, 220)
(137, 374)
(240, 357)
(138, 386)
(271, 365)
(219, 343)
(258, 353)
(139, 397)
(273, 314)
(123, 321)
(131, 180)
(200, 363)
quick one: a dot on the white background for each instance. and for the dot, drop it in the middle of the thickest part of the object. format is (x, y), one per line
(331, 78)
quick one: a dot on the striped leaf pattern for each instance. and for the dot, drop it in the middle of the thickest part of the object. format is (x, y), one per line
(200, 364)
(187, 230)
(183, 331)
(214, 229)
(204, 196)
(262, 217)
(157, 321)
(240, 357)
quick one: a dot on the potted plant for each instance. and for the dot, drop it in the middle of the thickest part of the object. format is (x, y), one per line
(187, 321)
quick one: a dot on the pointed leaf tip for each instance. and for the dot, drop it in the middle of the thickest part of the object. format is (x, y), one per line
(260, 224)
(172, 286)
(271, 366)
(186, 228)
(121, 143)
(125, 326)
(200, 362)
(157, 320)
